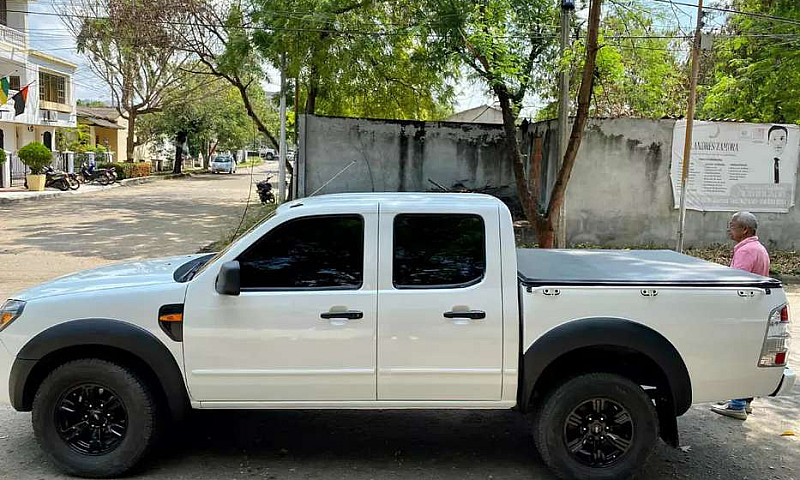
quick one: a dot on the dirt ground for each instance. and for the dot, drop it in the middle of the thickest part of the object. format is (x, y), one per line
(42, 240)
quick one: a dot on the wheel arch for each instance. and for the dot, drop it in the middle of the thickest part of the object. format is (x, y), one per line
(111, 340)
(612, 345)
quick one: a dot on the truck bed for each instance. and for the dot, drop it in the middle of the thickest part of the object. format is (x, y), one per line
(629, 267)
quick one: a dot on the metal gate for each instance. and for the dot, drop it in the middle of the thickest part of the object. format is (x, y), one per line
(18, 170)
(60, 161)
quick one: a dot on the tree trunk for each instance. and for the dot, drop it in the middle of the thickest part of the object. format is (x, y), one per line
(581, 116)
(180, 139)
(313, 91)
(544, 221)
(130, 145)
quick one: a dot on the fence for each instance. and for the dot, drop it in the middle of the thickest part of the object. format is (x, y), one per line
(19, 170)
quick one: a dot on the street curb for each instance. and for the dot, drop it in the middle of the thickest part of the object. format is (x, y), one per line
(128, 182)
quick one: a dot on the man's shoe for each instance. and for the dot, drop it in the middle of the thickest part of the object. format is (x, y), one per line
(726, 411)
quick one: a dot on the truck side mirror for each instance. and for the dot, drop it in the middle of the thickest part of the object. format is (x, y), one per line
(228, 279)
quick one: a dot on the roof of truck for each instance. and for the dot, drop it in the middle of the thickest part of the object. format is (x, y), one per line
(397, 198)
(629, 267)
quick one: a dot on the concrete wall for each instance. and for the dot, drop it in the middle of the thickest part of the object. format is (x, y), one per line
(390, 156)
(619, 194)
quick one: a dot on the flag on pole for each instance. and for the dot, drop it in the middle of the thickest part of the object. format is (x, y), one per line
(3, 90)
(20, 99)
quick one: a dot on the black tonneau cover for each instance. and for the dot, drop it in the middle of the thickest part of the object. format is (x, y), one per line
(629, 267)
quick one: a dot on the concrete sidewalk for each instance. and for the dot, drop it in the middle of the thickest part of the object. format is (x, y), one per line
(20, 194)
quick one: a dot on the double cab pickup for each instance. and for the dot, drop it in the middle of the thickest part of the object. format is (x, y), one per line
(392, 301)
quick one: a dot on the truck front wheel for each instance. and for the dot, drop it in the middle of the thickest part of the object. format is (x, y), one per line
(94, 418)
(598, 426)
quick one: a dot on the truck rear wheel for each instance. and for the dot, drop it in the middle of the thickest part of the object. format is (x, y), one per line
(94, 418)
(599, 426)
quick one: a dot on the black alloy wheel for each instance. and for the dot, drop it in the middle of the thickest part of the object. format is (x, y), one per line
(598, 432)
(91, 419)
(598, 426)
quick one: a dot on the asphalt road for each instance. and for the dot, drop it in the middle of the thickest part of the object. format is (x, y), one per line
(41, 240)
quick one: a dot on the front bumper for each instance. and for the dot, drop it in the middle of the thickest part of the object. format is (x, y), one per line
(5, 373)
(787, 383)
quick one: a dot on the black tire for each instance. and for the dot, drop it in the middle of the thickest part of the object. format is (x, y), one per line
(136, 400)
(103, 179)
(74, 184)
(62, 184)
(270, 156)
(555, 424)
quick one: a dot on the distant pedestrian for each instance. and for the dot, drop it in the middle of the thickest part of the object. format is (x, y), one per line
(749, 255)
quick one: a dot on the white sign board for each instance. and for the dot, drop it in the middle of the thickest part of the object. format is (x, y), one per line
(737, 166)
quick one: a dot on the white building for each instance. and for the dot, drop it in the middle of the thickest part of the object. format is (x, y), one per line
(51, 92)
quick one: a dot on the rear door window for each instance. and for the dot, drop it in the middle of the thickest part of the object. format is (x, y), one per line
(438, 251)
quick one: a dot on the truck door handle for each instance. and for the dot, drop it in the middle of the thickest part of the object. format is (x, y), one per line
(348, 314)
(471, 314)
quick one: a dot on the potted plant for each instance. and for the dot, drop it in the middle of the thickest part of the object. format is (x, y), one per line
(36, 157)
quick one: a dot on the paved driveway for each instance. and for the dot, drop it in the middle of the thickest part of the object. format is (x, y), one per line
(45, 239)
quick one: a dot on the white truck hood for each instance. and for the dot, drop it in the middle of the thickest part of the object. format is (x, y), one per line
(121, 275)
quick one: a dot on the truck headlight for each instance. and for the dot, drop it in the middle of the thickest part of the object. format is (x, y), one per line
(10, 311)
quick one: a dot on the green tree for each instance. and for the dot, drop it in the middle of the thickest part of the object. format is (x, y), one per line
(507, 44)
(216, 120)
(756, 72)
(131, 48)
(640, 70)
(355, 57)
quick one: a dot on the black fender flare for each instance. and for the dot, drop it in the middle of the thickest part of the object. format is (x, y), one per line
(104, 333)
(611, 332)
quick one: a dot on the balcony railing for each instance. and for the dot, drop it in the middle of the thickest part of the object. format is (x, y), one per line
(12, 36)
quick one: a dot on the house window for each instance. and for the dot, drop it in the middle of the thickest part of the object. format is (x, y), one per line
(52, 88)
(13, 82)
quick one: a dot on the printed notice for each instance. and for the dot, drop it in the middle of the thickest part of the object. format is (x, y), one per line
(737, 166)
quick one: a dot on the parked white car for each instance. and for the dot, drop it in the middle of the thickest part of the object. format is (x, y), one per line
(387, 301)
(223, 164)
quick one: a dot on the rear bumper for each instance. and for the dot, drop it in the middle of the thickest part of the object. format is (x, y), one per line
(787, 383)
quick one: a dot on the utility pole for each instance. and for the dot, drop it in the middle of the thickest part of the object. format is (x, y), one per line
(282, 152)
(687, 144)
(567, 6)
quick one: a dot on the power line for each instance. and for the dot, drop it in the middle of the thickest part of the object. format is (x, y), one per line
(736, 12)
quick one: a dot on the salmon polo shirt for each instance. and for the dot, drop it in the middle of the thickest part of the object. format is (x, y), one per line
(751, 256)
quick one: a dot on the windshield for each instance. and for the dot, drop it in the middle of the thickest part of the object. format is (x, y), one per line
(234, 242)
(222, 160)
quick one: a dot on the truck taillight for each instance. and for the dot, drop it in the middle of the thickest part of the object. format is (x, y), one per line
(775, 350)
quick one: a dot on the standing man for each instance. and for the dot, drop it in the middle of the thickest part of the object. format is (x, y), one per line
(749, 255)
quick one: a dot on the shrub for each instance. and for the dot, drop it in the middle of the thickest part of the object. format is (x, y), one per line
(128, 169)
(2, 156)
(36, 156)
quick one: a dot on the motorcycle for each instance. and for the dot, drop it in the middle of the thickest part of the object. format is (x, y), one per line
(264, 189)
(56, 179)
(91, 174)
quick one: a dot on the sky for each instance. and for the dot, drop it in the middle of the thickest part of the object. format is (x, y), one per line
(48, 34)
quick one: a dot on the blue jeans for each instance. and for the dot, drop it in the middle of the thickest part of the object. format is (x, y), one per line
(737, 404)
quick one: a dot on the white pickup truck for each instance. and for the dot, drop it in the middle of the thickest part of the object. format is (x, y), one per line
(389, 301)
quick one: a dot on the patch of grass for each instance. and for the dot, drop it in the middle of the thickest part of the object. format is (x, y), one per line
(256, 212)
(251, 162)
